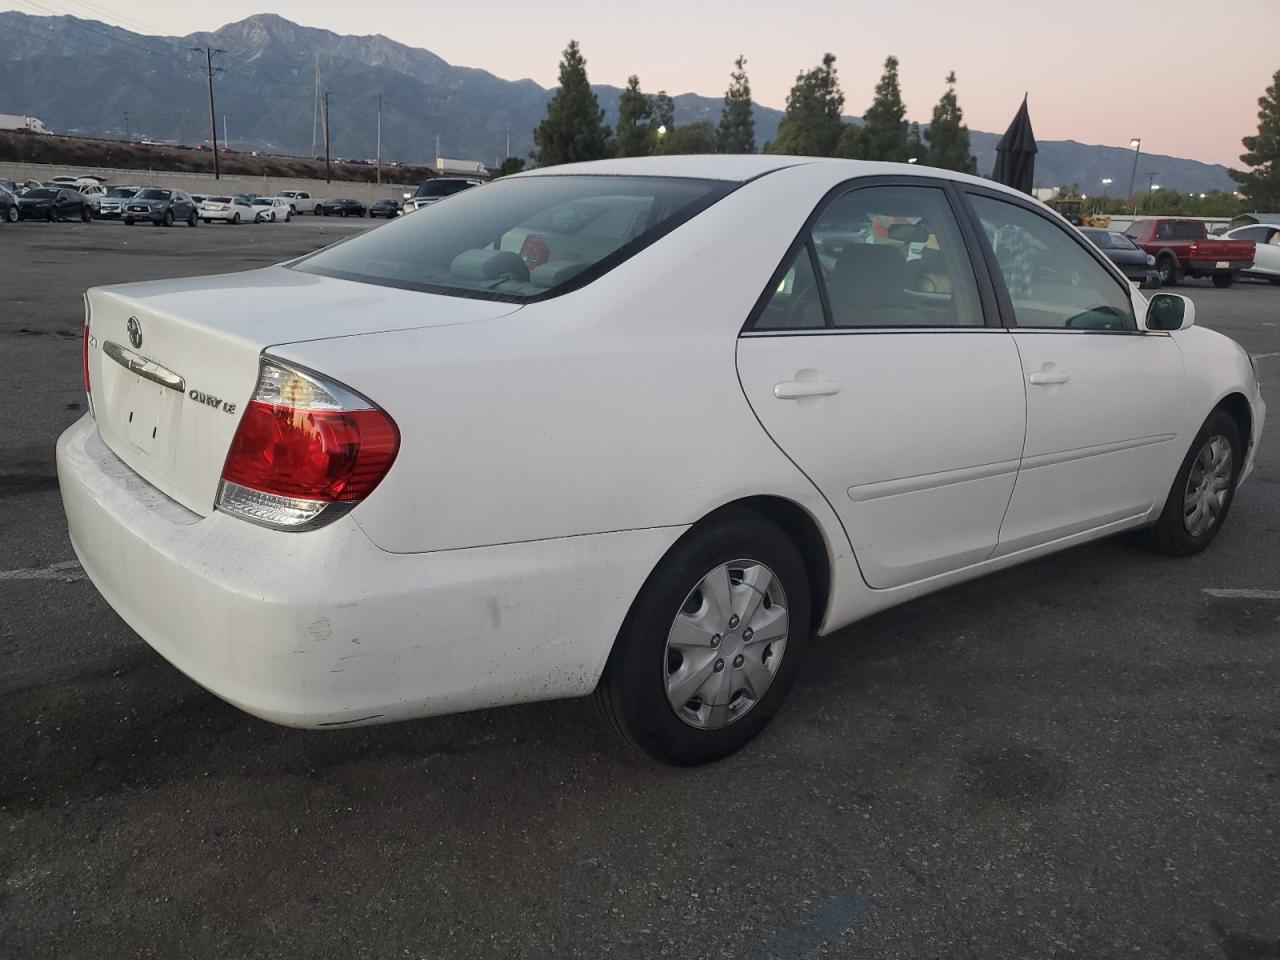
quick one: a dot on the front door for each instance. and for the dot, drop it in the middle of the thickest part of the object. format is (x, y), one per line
(872, 366)
(1104, 399)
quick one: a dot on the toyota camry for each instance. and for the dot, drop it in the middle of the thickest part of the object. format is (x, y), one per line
(637, 429)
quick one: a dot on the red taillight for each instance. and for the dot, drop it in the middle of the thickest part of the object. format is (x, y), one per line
(333, 456)
(305, 451)
(226, 208)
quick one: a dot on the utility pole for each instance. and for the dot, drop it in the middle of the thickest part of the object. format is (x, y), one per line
(1136, 144)
(328, 175)
(315, 112)
(226, 141)
(508, 139)
(379, 137)
(128, 136)
(209, 53)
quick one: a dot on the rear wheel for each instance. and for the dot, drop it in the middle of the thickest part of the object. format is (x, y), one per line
(711, 644)
(235, 218)
(85, 214)
(1167, 267)
(11, 215)
(1203, 490)
(1223, 280)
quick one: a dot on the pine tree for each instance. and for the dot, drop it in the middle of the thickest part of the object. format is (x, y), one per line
(948, 136)
(635, 109)
(916, 148)
(737, 125)
(696, 137)
(852, 144)
(812, 126)
(1261, 185)
(886, 123)
(574, 127)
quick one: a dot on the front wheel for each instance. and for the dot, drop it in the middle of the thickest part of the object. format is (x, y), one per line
(128, 221)
(1223, 280)
(85, 214)
(235, 219)
(193, 220)
(1202, 491)
(11, 215)
(711, 644)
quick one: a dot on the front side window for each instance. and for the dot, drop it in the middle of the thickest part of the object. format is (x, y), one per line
(519, 239)
(889, 256)
(1052, 280)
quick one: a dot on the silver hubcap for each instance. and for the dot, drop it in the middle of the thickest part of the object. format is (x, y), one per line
(1207, 486)
(726, 644)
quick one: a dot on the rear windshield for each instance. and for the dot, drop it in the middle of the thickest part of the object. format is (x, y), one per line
(442, 188)
(521, 238)
(1109, 240)
(219, 199)
(1172, 230)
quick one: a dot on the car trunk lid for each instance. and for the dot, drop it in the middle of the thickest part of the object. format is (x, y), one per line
(173, 363)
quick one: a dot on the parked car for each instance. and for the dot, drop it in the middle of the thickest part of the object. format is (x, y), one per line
(342, 207)
(385, 208)
(163, 207)
(299, 200)
(54, 203)
(112, 205)
(1266, 253)
(1183, 248)
(436, 189)
(228, 210)
(746, 443)
(271, 209)
(8, 205)
(1135, 263)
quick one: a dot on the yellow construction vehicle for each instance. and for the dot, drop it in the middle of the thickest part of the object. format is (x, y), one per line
(1072, 208)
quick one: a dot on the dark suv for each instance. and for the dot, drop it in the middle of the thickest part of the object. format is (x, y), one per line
(162, 207)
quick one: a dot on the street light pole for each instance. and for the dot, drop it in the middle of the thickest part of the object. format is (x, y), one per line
(1136, 143)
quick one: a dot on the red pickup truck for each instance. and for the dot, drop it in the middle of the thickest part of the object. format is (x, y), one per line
(1182, 248)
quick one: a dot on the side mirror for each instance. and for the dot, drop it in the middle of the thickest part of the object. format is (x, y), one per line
(1170, 311)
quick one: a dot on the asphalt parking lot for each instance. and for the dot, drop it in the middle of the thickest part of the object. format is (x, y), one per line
(1079, 757)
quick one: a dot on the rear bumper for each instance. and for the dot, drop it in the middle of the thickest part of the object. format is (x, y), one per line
(1207, 268)
(324, 628)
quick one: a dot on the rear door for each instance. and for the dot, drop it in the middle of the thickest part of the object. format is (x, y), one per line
(1104, 399)
(875, 361)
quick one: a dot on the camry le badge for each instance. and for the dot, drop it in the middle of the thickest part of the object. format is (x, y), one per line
(135, 332)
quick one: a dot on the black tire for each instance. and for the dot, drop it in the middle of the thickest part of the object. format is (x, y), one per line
(52, 215)
(1169, 534)
(344, 211)
(85, 214)
(1223, 280)
(193, 220)
(288, 217)
(632, 693)
(1167, 267)
(235, 219)
(11, 215)
(128, 221)
(325, 211)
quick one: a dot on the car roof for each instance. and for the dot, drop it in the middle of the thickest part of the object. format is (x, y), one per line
(739, 168)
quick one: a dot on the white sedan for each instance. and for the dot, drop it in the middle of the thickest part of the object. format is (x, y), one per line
(271, 209)
(228, 210)
(638, 427)
(1266, 252)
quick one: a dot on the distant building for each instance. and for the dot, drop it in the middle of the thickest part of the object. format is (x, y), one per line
(1245, 219)
(12, 121)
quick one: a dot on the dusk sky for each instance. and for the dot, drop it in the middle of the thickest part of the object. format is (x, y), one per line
(1179, 74)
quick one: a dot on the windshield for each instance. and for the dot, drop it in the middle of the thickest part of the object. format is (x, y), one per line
(151, 193)
(262, 202)
(520, 239)
(441, 188)
(40, 193)
(122, 191)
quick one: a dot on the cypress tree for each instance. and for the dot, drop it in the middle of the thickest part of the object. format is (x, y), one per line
(737, 132)
(635, 135)
(948, 136)
(574, 127)
(886, 124)
(812, 126)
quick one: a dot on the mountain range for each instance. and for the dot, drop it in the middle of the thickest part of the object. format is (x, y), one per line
(87, 78)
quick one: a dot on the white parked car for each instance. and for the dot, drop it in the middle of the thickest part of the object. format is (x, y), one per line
(1266, 253)
(228, 210)
(271, 209)
(111, 207)
(639, 427)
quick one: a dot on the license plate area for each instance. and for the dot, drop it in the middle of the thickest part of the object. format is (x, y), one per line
(1222, 265)
(148, 412)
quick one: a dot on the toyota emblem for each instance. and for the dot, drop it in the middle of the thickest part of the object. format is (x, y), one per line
(135, 332)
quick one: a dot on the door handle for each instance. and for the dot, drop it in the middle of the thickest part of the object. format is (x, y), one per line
(799, 389)
(1048, 375)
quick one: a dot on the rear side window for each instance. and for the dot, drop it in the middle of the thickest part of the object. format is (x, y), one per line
(1052, 280)
(1179, 231)
(888, 256)
(521, 238)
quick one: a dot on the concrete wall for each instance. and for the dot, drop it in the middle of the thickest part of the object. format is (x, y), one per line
(204, 183)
